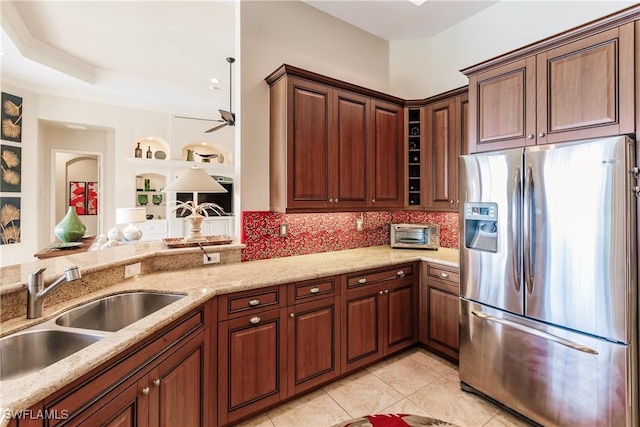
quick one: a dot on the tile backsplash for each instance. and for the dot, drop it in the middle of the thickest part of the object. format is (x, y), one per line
(313, 233)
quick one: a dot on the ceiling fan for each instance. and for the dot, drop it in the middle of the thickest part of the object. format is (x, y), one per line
(228, 118)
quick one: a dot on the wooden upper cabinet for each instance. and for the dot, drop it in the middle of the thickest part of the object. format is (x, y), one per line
(388, 163)
(585, 88)
(574, 86)
(334, 146)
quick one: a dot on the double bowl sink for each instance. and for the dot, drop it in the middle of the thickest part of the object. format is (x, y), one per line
(44, 344)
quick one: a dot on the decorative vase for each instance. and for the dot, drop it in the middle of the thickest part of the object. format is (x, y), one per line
(138, 151)
(157, 199)
(70, 229)
(143, 199)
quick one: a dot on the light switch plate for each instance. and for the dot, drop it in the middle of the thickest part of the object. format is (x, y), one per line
(213, 258)
(132, 270)
(284, 230)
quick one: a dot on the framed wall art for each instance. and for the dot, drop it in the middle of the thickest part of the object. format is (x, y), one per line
(92, 198)
(11, 116)
(11, 169)
(77, 196)
(9, 220)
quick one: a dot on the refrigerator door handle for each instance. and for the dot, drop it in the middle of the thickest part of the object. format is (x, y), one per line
(527, 226)
(532, 331)
(515, 227)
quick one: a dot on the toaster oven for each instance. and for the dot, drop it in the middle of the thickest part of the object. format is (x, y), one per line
(415, 236)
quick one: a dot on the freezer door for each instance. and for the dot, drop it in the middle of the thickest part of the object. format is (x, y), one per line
(578, 232)
(490, 261)
(551, 375)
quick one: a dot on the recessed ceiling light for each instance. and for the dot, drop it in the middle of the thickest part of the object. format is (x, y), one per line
(2, 53)
(417, 2)
(212, 87)
(203, 143)
(214, 80)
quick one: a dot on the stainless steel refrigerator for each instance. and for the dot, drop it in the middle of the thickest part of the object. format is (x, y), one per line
(549, 290)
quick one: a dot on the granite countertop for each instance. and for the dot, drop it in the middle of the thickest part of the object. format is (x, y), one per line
(199, 285)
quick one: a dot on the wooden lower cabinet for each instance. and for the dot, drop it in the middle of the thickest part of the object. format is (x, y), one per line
(439, 297)
(380, 317)
(313, 351)
(127, 409)
(251, 364)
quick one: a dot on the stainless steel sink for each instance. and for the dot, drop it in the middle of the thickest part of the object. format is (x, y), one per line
(115, 312)
(32, 350)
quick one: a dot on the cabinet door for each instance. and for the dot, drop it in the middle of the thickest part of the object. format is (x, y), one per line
(348, 165)
(585, 88)
(387, 159)
(442, 141)
(128, 409)
(502, 107)
(443, 326)
(313, 343)
(400, 315)
(361, 332)
(180, 387)
(308, 145)
(251, 364)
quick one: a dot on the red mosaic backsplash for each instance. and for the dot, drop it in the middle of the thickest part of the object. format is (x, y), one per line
(313, 233)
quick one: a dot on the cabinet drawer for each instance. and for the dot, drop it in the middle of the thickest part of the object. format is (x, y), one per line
(308, 290)
(444, 273)
(377, 276)
(243, 303)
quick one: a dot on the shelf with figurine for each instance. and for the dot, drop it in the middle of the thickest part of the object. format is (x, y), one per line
(152, 148)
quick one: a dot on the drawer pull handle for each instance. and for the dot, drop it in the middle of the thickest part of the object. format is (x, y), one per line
(255, 320)
(363, 280)
(156, 382)
(443, 274)
(314, 290)
(400, 273)
(145, 391)
(254, 302)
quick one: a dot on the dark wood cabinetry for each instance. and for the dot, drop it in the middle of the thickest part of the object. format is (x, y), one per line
(439, 295)
(380, 310)
(164, 382)
(444, 138)
(574, 86)
(333, 145)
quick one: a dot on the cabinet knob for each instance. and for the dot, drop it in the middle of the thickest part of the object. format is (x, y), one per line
(254, 320)
(373, 200)
(362, 281)
(314, 290)
(381, 292)
(330, 200)
(386, 291)
(156, 382)
(451, 201)
(254, 302)
(400, 273)
(443, 274)
(336, 200)
(530, 136)
(541, 135)
(292, 315)
(145, 391)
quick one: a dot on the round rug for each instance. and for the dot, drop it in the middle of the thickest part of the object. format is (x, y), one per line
(393, 420)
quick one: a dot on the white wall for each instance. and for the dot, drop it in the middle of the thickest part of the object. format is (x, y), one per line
(506, 26)
(273, 33)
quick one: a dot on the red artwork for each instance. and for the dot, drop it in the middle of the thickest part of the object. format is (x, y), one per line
(83, 196)
(314, 233)
(77, 196)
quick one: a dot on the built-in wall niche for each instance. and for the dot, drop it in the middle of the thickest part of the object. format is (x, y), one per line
(150, 147)
(149, 194)
(206, 152)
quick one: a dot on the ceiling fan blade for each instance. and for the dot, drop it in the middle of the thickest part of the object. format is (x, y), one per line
(216, 128)
(230, 118)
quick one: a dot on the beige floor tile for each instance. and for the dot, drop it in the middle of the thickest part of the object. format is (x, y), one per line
(261, 420)
(434, 362)
(406, 375)
(505, 419)
(313, 410)
(444, 399)
(453, 375)
(366, 395)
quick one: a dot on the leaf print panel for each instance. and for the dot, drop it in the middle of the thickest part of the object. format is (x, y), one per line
(11, 116)
(9, 220)
(10, 169)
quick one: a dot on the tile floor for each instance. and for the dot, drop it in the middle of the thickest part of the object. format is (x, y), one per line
(414, 382)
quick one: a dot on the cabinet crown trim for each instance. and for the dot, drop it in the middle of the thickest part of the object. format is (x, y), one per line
(596, 26)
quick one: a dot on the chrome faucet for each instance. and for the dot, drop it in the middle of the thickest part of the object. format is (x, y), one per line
(36, 292)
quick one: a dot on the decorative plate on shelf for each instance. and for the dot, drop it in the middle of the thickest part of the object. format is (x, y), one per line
(65, 245)
(161, 155)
